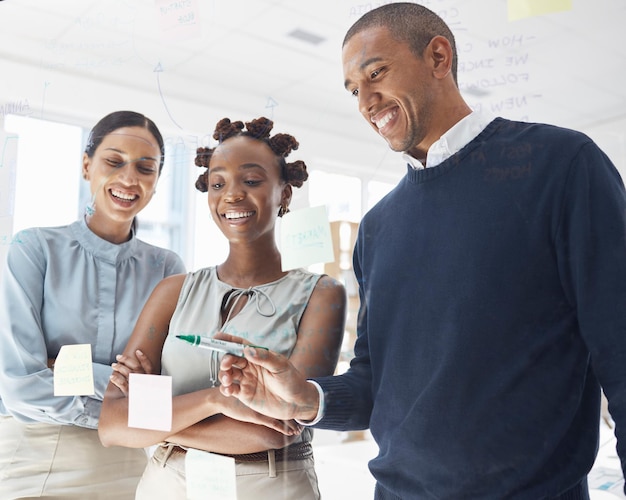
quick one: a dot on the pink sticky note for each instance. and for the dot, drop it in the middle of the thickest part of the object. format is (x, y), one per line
(150, 401)
(179, 19)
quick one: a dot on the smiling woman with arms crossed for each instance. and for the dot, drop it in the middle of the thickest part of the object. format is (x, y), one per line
(297, 313)
(84, 283)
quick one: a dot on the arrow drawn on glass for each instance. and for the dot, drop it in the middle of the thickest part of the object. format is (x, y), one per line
(271, 103)
(159, 69)
(4, 148)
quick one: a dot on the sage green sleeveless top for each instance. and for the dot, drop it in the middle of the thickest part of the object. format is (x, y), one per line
(269, 318)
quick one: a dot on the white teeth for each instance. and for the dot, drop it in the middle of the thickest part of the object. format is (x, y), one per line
(123, 196)
(237, 215)
(385, 119)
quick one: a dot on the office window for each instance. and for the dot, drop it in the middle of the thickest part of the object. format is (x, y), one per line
(376, 190)
(47, 172)
(340, 193)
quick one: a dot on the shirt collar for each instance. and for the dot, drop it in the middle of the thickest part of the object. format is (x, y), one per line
(451, 142)
(101, 248)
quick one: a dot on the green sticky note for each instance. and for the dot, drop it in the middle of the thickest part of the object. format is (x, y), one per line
(305, 238)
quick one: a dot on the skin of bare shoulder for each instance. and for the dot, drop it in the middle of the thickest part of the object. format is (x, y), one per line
(153, 323)
(321, 328)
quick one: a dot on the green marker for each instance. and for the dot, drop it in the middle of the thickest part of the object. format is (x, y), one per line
(216, 344)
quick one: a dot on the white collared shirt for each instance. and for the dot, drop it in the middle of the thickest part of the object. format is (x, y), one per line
(455, 139)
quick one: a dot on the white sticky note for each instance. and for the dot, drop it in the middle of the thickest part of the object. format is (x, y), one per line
(150, 401)
(305, 238)
(73, 371)
(210, 476)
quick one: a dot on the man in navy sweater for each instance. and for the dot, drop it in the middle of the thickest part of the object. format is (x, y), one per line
(492, 284)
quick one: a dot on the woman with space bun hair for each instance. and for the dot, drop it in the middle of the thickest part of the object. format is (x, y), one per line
(298, 313)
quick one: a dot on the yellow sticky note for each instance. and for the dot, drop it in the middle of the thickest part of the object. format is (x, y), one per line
(210, 476)
(73, 371)
(150, 401)
(521, 9)
(305, 238)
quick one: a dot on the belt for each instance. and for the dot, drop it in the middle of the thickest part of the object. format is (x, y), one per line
(298, 451)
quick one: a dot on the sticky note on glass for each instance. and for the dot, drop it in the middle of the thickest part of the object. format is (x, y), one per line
(73, 371)
(150, 401)
(305, 238)
(210, 476)
(520, 9)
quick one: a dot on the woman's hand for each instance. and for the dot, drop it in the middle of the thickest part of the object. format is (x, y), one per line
(125, 366)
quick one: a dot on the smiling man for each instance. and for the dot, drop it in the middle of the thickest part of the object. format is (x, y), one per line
(492, 282)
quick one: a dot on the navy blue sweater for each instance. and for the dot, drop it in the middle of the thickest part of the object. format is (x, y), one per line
(493, 301)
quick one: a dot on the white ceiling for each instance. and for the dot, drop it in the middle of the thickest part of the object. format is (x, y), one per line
(188, 63)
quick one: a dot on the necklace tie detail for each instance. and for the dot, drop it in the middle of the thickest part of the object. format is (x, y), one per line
(264, 305)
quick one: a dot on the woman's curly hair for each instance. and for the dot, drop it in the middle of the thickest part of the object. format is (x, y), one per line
(281, 144)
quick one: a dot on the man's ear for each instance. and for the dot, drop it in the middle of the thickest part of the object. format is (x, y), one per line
(86, 165)
(439, 51)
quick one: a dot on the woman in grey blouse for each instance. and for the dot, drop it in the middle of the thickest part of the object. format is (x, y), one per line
(296, 312)
(84, 283)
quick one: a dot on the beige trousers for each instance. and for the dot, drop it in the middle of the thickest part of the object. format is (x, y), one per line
(64, 462)
(164, 477)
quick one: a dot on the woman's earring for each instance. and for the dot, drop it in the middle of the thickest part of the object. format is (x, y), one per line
(284, 209)
(90, 208)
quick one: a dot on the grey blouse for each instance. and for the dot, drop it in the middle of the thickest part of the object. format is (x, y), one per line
(65, 285)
